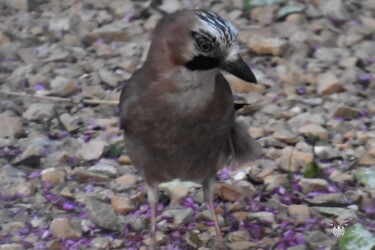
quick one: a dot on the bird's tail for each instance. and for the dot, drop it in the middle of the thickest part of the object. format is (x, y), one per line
(242, 147)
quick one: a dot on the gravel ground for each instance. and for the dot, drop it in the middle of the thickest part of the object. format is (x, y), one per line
(66, 182)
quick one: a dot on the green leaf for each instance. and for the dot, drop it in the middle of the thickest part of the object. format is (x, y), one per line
(366, 176)
(312, 170)
(250, 4)
(114, 150)
(289, 9)
(357, 237)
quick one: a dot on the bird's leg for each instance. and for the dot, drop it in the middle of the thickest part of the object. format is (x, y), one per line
(208, 192)
(153, 198)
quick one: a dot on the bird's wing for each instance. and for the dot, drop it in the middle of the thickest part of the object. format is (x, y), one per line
(242, 147)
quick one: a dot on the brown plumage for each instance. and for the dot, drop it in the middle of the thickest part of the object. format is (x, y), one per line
(177, 111)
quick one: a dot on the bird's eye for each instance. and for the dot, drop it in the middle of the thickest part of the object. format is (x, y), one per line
(205, 46)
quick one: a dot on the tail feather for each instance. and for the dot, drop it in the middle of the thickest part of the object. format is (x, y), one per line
(242, 147)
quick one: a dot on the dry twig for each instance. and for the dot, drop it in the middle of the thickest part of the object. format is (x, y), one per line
(59, 99)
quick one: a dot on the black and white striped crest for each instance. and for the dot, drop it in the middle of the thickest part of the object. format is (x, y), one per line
(216, 27)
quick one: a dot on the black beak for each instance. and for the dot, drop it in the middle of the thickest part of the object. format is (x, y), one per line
(240, 69)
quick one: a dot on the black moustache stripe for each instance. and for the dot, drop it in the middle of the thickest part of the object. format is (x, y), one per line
(202, 63)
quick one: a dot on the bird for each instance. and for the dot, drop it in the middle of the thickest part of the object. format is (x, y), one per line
(177, 110)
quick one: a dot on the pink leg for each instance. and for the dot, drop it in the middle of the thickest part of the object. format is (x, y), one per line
(208, 191)
(153, 197)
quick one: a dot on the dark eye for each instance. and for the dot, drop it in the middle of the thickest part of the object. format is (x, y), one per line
(205, 46)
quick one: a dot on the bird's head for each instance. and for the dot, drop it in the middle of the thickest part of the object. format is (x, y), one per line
(200, 40)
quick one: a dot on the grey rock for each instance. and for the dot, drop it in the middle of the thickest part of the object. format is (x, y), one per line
(318, 239)
(335, 9)
(38, 111)
(83, 175)
(91, 150)
(180, 216)
(10, 126)
(106, 167)
(108, 77)
(21, 5)
(12, 246)
(102, 214)
(65, 229)
(135, 222)
(63, 87)
(310, 185)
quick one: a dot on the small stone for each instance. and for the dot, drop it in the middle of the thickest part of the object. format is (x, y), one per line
(126, 180)
(276, 180)
(364, 157)
(54, 244)
(263, 216)
(108, 77)
(336, 211)
(91, 150)
(180, 216)
(321, 199)
(122, 204)
(106, 167)
(312, 185)
(228, 192)
(135, 222)
(207, 216)
(371, 146)
(177, 189)
(256, 132)
(346, 112)
(326, 152)
(264, 15)
(59, 56)
(124, 159)
(264, 173)
(38, 111)
(299, 213)
(101, 242)
(70, 123)
(58, 25)
(292, 160)
(317, 239)
(267, 45)
(238, 236)
(12, 246)
(335, 9)
(63, 87)
(64, 229)
(368, 22)
(53, 176)
(314, 129)
(10, 127)
(106, 36)
(104, 17)
(242, 245)
(306, 118)
(170, 6)
(341, 177)
(328, 84)
(160, 238)
(286, 136)
(25, 189)
(102, 214)
(83, 175)
(21, 5)
(4, 38)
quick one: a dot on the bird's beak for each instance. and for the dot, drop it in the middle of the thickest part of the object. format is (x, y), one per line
(238, 68)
